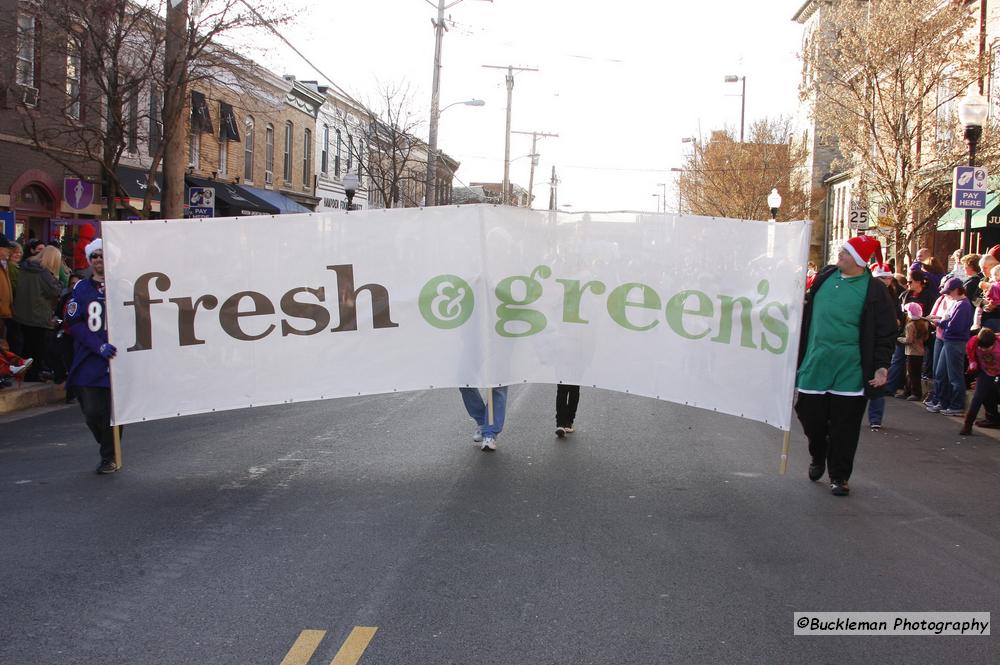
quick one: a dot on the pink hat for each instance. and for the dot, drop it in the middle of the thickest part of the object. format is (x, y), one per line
(914, 310)
(861, 249)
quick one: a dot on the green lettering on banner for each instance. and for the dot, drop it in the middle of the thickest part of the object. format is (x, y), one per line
(446, 302)
(677, 310)
(573, 294)
(511, 309)
(618, 301)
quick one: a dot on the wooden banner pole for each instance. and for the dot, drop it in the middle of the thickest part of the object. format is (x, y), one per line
(489, 406)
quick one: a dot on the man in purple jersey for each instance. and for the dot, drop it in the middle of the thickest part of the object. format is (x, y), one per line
(90, 374)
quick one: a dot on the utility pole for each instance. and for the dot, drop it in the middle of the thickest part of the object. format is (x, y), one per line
(534, 157)
(554, 191)
(504, 195)
(440, 27)
(175, 48)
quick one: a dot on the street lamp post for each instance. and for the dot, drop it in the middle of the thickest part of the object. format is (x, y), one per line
(430, 180)
(732, 78)
(657, 195)
(678, 171)
(774, 202)
(663, 187)
(351, 183)
(972, 113)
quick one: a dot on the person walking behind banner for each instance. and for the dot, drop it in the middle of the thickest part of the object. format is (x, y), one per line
(486, 434)
(949, 353)
(90, 375)
(848, 335)
(984, 359)
(567, 399)
(915, 333)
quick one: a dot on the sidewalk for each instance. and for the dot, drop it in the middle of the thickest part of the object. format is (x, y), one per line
(903, 415)
(30, 395)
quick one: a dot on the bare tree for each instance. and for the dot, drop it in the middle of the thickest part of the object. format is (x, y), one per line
(727, 178)
(116, 89)
(391, 156)
(884, 79)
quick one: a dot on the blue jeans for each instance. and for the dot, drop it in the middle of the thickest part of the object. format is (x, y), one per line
(876, 406)
(949, 374)
(476, 407)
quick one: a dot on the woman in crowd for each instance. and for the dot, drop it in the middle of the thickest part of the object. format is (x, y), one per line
(35, 298)
(949, 351)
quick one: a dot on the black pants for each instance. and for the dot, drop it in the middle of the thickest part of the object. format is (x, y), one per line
(832, 424)
(96, 406)
(914, 365)
(13, 336)
(567, 399)
(33, 345)
(986, 395)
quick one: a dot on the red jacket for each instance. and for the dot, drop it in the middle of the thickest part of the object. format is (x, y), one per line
(87, 235)
(987, 359)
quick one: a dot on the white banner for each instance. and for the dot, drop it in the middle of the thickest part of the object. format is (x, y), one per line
(218, 314)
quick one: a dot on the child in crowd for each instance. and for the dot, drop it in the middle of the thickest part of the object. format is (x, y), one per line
(984, 360)
(915, 333)
(11, 365)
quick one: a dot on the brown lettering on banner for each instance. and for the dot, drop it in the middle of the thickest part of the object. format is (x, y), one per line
(230, 315)
(347, 297)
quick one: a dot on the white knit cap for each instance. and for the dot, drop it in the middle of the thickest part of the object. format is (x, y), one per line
(92, 247)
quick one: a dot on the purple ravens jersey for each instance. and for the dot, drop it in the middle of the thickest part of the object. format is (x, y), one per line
(88, 325)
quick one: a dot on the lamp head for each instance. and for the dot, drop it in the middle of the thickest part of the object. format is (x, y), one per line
(973, 110)
(774, 199)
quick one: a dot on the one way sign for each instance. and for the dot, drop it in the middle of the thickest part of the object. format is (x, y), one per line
(969, 187)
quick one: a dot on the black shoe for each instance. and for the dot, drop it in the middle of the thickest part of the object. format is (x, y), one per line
(839, 488)
(816, 471)
(876, 427)
(108, 466)
(561, 432)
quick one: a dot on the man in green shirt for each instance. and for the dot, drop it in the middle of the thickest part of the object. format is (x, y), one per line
(848, 336)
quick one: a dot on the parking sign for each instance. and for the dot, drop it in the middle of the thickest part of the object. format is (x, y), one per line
(201, 201)
(969, 187)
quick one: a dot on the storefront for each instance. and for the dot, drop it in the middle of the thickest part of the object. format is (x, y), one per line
(135, 185)
(985, 225)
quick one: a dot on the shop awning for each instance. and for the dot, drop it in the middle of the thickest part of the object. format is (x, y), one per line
(282, 202)
(135, 182)
(233, 200)
(954, 219)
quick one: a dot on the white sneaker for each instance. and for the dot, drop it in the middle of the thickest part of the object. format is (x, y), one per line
(569, 429)
(489, 443)
(477, 436)
(952, 412)
(17, 369)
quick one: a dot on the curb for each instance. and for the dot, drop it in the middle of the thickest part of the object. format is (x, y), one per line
(30, 396)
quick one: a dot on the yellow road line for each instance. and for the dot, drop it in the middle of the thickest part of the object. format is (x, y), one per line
(354, 646)
(304, 647)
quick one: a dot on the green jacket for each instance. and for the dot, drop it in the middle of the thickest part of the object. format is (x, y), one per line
(35, 296)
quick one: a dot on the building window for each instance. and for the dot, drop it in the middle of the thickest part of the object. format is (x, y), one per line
(155, 124)
(350, 152)
(223, 157)
(269, 154)
(73, 79)
(945, 112)
(26, 50)
(336, 162)
(306, 156)
(325, 154)
(133, 121)
(194, 150)
(287, 170)
(248, 150)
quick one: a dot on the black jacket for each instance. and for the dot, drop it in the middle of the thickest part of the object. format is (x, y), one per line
(878, 327)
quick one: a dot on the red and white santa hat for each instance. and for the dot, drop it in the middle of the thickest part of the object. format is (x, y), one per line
(881, 270)
(861, 249)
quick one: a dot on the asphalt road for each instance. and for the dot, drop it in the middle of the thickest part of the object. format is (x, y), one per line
(655, 534)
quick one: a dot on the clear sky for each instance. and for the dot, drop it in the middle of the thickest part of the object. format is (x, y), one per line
(620, 82)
